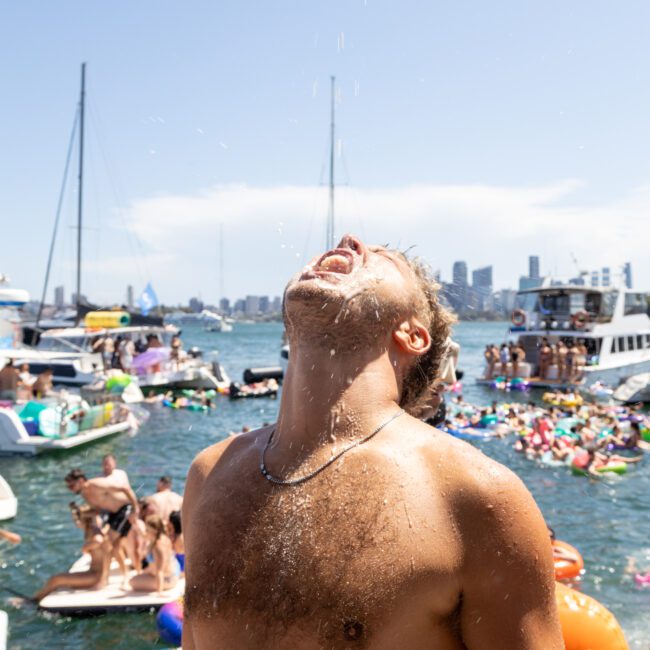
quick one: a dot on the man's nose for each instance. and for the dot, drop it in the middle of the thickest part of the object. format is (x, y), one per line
(353, 243)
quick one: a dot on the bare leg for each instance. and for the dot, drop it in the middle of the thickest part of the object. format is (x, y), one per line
(149, 582)
(82, 580)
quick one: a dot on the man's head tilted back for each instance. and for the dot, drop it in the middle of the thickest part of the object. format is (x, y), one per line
(365, 301)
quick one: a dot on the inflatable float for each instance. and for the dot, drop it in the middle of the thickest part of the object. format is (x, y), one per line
(586, 624)
(169, 622)
(567, 561)
(107, 319)
(111, 598)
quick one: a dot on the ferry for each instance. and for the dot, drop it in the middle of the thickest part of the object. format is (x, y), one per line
(612, 322)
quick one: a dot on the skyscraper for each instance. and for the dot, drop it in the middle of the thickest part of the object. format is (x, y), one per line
(482, 279)
(605, 276)
(627, 274)
(460, 274)
(129, 297)
(533, 267)
(59, 297)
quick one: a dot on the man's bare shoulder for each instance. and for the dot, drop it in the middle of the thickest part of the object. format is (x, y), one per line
(474, 474)
(206, 460)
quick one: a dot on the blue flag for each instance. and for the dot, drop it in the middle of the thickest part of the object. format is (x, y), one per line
(148, 300)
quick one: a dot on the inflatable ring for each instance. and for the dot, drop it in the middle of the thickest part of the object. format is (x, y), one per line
(518, 317)
(586, 624)
(570, 567)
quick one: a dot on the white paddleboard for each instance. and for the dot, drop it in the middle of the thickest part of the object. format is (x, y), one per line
(4, 626)
(111, 598)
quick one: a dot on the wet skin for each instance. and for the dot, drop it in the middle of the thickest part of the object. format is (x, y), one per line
(414, 539)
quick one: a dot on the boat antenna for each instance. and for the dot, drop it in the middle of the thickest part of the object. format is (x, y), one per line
(82, 100)
(56, 219)
(330, 216)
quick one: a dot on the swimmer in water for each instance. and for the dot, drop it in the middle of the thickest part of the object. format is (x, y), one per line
(351, 523)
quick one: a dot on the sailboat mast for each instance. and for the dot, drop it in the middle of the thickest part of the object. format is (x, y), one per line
(82, 102)
(330, 217)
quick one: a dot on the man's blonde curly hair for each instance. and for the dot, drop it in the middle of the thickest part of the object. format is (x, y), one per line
(416, 389)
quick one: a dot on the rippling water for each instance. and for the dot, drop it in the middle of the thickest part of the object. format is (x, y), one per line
(606, 521)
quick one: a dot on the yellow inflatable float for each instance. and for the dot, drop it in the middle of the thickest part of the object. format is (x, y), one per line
(107, 319)
(586, 624)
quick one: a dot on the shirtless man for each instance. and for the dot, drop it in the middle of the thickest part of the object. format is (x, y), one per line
(545, 358)
(103, 495)
(111, 471)
(9, 381)
(352, 524)
(164, 500)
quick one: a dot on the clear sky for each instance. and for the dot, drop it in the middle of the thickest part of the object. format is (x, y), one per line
(474, 130)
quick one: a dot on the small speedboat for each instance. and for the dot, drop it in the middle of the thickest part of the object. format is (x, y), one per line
(8, 501)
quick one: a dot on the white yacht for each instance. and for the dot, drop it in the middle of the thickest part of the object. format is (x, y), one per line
(153, 367)
(613, 323)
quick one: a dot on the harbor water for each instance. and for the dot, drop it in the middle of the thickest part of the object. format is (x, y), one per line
(606, 520)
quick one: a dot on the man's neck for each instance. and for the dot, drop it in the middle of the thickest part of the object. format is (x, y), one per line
(331, 395)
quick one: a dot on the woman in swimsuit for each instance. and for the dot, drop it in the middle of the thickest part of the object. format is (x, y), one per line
(96, 545)
(162, 569)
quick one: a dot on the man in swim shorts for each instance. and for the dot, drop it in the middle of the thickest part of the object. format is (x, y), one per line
(351, 523)
(117, 502)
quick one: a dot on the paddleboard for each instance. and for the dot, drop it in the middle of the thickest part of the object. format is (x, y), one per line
(111, 598)
(4, 626)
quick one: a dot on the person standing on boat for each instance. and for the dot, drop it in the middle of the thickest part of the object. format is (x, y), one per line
(165, 500)
(560, 359)
(111, 472)
(9, 379)
(545, 358)
(504, 357)
(43, 385)
(351, 523)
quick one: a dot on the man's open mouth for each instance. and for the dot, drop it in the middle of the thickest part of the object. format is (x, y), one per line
(336, 261)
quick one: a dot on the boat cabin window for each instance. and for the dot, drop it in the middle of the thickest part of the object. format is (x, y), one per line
(64, 344)
(608, 304)
(526, 301)
(639, 341)
(613, 349)
(554, 303)
(635, 303)
(647, 341)
(621, 344)
(630, 343)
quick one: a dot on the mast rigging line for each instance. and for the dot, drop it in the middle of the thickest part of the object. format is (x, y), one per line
(58, 214)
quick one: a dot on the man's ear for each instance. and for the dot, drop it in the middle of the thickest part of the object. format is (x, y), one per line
(412, 337)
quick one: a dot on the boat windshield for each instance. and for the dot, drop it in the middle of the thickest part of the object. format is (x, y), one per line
(526, 301)
(68, 344)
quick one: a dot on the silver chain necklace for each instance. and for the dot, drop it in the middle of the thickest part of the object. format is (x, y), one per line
(301, 479)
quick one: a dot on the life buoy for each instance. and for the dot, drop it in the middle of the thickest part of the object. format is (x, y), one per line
(568, 563)
(518, 317)
(580, 319)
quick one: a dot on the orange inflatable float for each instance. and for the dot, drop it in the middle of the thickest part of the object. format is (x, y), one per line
(567, 561)
(586, 624)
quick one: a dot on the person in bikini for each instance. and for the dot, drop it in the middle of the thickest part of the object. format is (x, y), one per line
(95, 544)
(351, 523)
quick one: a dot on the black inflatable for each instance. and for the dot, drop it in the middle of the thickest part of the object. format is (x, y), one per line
(253, 375)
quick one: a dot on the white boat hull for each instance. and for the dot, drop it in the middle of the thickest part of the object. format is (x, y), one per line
(112, 598)
(8, 501)
(14, 439)
(4, 630)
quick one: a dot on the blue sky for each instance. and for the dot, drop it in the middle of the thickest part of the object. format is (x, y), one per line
(478, 131)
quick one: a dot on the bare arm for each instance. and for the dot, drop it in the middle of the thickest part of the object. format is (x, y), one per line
(508, 598)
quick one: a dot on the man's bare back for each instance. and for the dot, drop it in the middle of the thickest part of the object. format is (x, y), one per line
(412, 539)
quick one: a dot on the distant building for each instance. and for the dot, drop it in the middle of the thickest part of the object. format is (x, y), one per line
(224, 306)
(605, 279)
(533, 267)
(276, 308)
(240, 306)
(578, 281)
(459, 274)
(482, 279)
(504, 301)
(196, 305)
(59, 297)
(82, 298)
(129, 297)
(595, 279)
(627, 274)
(252, 305)
(265, 304)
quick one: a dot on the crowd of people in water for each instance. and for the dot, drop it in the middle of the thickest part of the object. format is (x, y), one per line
(561, 361)
(591, 438)
(142, 535)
